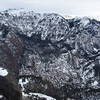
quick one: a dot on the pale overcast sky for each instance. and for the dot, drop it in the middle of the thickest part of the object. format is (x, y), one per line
(64, 7)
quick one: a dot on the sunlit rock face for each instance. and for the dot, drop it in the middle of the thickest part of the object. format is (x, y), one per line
(51, 55)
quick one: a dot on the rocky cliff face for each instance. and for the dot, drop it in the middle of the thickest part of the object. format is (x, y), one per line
(52, 55)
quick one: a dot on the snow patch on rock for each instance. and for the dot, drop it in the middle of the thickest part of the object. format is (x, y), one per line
(22, 83)
(0, 33)
(43, 96)
(84, 21)
(3, 72)
(95, 83)
(1, 96)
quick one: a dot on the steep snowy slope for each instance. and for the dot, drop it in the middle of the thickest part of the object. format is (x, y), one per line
(58, 57)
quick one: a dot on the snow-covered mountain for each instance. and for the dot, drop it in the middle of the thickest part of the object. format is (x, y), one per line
(51, 55)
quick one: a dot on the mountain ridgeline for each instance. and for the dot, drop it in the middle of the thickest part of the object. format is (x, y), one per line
(52, 55)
